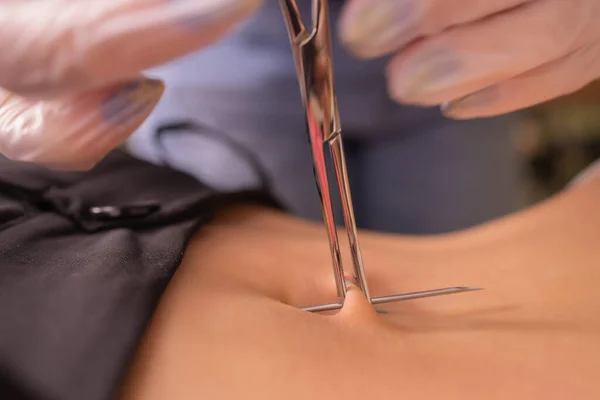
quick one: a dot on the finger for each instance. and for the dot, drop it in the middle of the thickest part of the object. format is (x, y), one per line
(535, 87)
(74, 132)
(375, 28)
(50, 47)
(469, 58)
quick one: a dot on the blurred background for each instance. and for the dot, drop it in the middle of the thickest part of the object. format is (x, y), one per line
(232, 116)
(558, 139)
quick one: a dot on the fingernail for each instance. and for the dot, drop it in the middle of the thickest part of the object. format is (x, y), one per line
(427, 74)
(469, 106)
(207, 12)
(374, 28)
(155, 35)
(132, 101)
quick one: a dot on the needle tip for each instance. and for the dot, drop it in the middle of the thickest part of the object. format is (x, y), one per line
(468, 289)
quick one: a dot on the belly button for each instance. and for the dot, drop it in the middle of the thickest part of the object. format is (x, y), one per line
(356, 307)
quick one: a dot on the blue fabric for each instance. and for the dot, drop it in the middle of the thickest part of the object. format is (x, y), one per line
(413, 170)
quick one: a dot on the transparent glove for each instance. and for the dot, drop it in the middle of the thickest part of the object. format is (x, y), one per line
(478, 57)
(70, 83)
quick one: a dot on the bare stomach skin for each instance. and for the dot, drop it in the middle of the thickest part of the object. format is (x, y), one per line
(229, 326)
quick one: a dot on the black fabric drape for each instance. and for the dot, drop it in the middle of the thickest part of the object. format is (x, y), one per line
(84, 259)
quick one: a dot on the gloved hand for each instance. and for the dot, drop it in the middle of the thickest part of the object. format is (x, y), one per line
(70, 69)
(478, 57)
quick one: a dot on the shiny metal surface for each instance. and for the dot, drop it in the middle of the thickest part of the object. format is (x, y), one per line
(397, 297)
(312, 54)
(421, 295)
(311, 49)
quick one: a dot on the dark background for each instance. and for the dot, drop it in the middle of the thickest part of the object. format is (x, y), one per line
(559, 139)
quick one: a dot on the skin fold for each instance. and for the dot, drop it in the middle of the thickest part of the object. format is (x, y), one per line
(228, 326)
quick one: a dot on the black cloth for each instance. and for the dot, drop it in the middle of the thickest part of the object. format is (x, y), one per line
(84, 259)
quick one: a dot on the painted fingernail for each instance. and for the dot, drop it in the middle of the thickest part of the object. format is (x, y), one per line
(428, 73)
(143, 39)
(469, 106)
(375, 28)
(202, 13)
(132, 101)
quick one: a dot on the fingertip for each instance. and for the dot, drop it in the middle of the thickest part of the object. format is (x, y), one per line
(394, 89)
(75, 132)
(253, 5)
(225, 11)
(102, 120)
(397, 88)
(371, 29)
(132, 101)
(453, 110)
(137, 39)
(403, 81)
(425, 74)
(483, 103)
(349, 31)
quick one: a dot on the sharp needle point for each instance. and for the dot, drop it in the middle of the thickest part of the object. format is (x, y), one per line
(400, 297)
(423, 294)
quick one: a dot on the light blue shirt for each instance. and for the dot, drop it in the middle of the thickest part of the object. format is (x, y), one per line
(413, 169)
(252, 69)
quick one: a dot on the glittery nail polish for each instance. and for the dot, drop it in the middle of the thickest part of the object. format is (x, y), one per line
(425, 75)
(208, 12)
(131, 101)
(379, 27)
(469, 106)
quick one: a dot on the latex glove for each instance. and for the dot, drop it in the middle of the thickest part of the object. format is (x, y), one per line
(70, 69)
(478, 57)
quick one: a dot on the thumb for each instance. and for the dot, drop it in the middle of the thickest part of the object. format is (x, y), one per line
(55, 47)
(74, 132)
(71, 70)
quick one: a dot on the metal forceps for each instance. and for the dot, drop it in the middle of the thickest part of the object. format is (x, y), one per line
(311, 49)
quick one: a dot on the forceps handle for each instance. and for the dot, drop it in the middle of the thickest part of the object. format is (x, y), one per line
(312, 54)
(339, 164)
